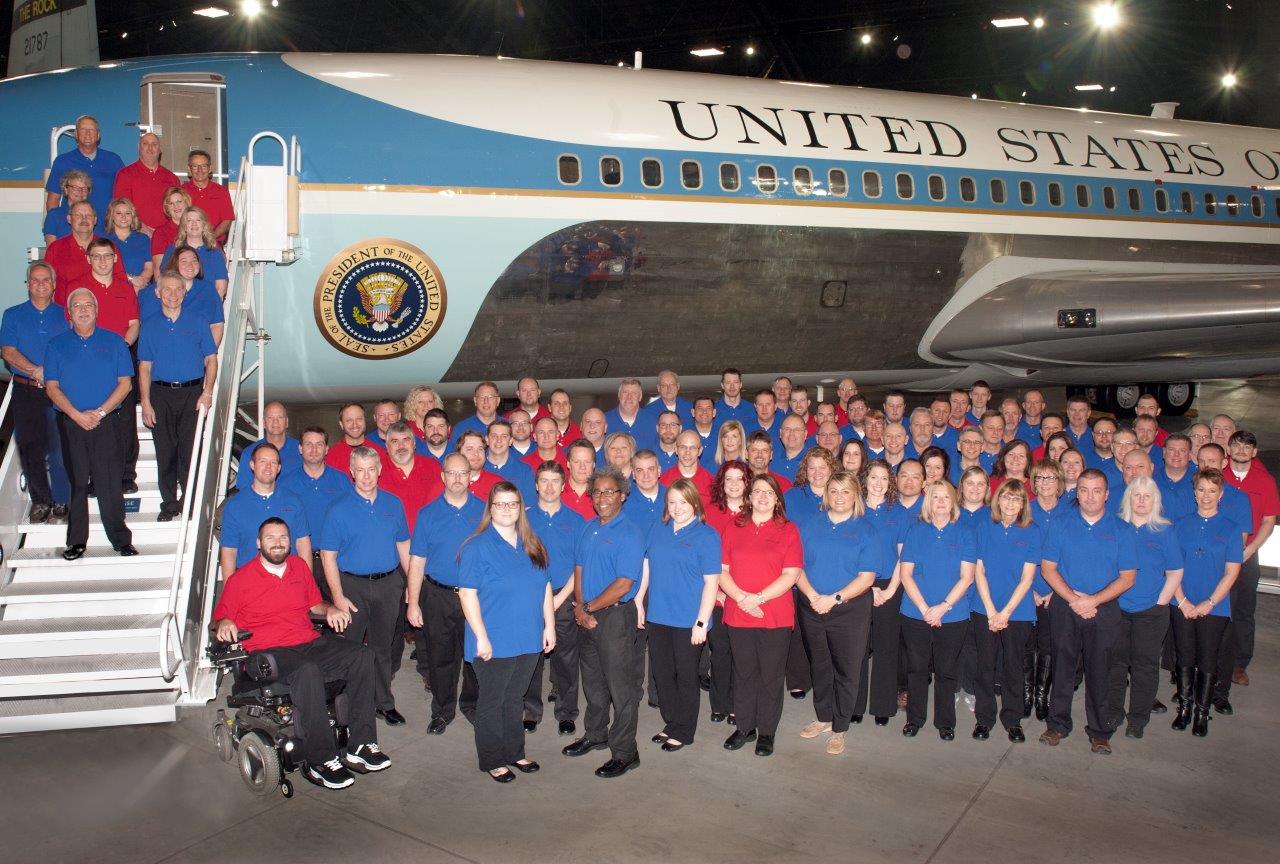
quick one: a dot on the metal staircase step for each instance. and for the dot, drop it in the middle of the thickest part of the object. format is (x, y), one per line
(86, 673)
(145, 527)
(86, 711)
(64, 637)
(95, 591)
(148, 553)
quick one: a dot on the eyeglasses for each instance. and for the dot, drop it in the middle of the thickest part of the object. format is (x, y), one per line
(505, 505)
(1040, 477)
(605, 493)
(77, 187)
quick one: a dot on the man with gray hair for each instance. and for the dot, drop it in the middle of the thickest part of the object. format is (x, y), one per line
(98, 162)
(669, 400)
(145, 182)
(626, 417)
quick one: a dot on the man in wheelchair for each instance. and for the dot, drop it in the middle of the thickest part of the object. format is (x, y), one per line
(274, 596)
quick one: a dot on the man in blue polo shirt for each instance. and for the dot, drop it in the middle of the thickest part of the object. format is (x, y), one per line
(275, 426)
(88, 374)
(1089, 560)
(434, 607)
(1174, 477)
(487, 400)
(364, 548)
(317, 486)
(668, 427)
(500, 459)
(767, 418)
(626, 417)
(177, 368)
(386, 413)
(1028, 428)
(669, 399)
(731, 405)
(607, 570)
(25, 332)
(99, 163)
(245, 511)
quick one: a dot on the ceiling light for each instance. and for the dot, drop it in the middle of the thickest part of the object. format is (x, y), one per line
(751, 49)
(706, 52)
(1106, 16)
(211, 12)
(1111, 89)
(1037, 23)
(866, 39)
(1010, 22)
(973, 95)
(1083, 87)
(1230, 80)
(251, 8)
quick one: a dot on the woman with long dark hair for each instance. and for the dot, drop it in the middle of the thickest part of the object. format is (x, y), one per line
(728, 498)
(878, 683)
(1012, 464)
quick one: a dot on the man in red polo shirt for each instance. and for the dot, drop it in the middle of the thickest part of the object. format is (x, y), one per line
(413, 478)
(144, 183)
(273, 597)
(688, 449)
(529, 393)
(576, 496)
(471, 444)
(68, 256)
(561, 410)
(545, 437)
(213, 198)
(352, 420)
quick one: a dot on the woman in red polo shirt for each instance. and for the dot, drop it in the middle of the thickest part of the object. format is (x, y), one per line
(761, 561)
(728, 498)
(1012, 464)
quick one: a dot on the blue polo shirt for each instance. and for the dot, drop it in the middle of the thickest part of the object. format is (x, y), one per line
(364, 533)
(88, 368)
(988, 461)
(651, 412)
(438, 533)
(213, 262)
(1177, 499)
(947, 439)
(1158, 551)
(29, 330)
(1028, 433)
(419, 445)
(1090, 557)
(679, 561)
(742, 413)
(787, 467)
(1004, 552)
(559, 533)
(609, 551)
(511, 590)
(176, 348)
(937, 556)
(1208, 546)
(665, 459)
(901, 517)
(201, 299)
(317, 494)
(1044, 518)
(472, 423)
(245, 512)
(971, 520)
(802, 504)
(613, 422)
(836, 552)
(135, 251)
(880, 518)
(55, 222)
(1236, 505)
(102, 170)
(515, 472)
(645, 513)
(290, 461)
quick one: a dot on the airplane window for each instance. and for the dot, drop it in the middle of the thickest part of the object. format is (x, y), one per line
(1210, 207)
(838, 181)
(906, 186)
(651, 172)
(1026, 192)
(1255, 204)
(766, 179)
(570, 170)
(691, 174)
(871, 184)
(937, 187)
(1188, 202)
(1135, 199)
(729, 179)
(1109, 197)
(1055, 194)
(1162, 201)
(1233, 206)
(610, 171)
(1082, 195)
(997, 191)
(968, 190)
(802, 180)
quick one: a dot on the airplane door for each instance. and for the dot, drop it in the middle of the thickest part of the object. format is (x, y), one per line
(189, 113)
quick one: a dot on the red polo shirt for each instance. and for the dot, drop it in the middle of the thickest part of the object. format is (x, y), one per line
(481, 485)
(145, 187)
(783, 483)
(533, 460)
(580, 504)
(416, 489)
(163, 237)
(70, 264)
(756, 556)
(541, 412)
(1261, 489)
(701, 478)
(213, 199)
(811, 425)
(571, 433)
(277, 609)
(117, 302)
(339, 456)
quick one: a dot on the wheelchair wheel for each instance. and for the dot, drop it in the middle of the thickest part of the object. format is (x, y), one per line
(222, 742)
(286, 788)
(259, 764)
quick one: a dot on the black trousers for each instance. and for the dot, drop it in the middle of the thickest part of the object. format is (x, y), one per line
(502, 682)
(31, 428)
(440, 654)
(127, 430)
(1074, 639)
(759, 669)
(607, 655)
(648, 684)
(306, 668)
(798, 675)
(999, 657)
(939, 646)
(174, 433)
(674, 661)
(94, 457)
(836, 644)
(1198, 642)
(1044, 628)
(878, 682)
(721, 664)
(1237, 648)
(379, 604)
(564, 671)
(1135, 665)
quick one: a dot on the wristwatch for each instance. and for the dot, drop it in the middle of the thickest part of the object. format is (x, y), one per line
(839, 599)
(586, 608)
(699, 624)
(102, 413)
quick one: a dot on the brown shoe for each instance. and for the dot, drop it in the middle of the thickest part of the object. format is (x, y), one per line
(1239, 676)
(902, 698)
(835, 744)
(1099, 746)
(1050, 737)
(814, 729)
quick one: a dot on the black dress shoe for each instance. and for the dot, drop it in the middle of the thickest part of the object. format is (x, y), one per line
(129, 487)
(911, 730)
(1133, 732)
(704, 681)
(856, 718)
(980, 733)
(1016, 735)
(128, 550)
(567, 727)
(732, 719)
(59, 511)
(946, 733)
(527, 767)
(1158, 707)
(1222, 705)
(739, 739)
(764, 745)
(798, 694)
(39, 513)
(392, 716)
(616, 767)
(506, 776)
(166, 516)
(672, 746)
(882, 721)
(553, 696)
(660, 737)
(71, 553)
(531, 725)
(583, 746)
(718, 717)
(437, 726)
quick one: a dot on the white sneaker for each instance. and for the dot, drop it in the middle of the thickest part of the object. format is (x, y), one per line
(331, 775)
(367, 757)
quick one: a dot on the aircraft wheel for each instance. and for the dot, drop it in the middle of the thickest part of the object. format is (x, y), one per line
(1176, 399)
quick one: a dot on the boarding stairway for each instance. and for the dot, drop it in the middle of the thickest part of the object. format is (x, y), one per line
(106, 640)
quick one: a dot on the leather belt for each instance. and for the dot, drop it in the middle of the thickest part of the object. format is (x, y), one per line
(373, 577)
(28, 382)
(453, 588)
(178, 385)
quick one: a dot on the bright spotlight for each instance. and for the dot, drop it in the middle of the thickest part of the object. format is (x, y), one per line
(1037, 23)
(251, 8)
(1230, 80)
(1106, 16)
(751, 49)
(866, 39)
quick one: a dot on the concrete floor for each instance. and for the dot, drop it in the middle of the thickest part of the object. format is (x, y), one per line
(160, 794)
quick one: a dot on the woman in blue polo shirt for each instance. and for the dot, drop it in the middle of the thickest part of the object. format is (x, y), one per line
(684, 572)
(1212, 551)
(124, 229)
(974, 490)
(805, 498)
(194, 231)
(842, 555)
(1144, 608)
(938, 556)
(1008, 557)
(505, 593)
(1047, 506)
(201, 295)
(878, 681)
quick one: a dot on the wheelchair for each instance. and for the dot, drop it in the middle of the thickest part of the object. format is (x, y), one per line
(256, 729)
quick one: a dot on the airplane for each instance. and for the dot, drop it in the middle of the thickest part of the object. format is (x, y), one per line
(484, 218)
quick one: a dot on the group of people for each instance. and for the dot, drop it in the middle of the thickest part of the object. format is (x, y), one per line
(1001, 557)
(125, 309)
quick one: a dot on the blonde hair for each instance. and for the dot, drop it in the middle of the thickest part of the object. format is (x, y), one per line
(169, 193)
(931, 490)
(135, 224)
(419, 401)
(206, 231)
(850, 482)
(1157, 521)
(730, 426)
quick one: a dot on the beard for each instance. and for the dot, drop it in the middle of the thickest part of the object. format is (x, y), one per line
(275, 557)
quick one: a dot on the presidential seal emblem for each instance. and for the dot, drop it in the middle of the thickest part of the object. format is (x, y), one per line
(379, 298)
